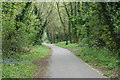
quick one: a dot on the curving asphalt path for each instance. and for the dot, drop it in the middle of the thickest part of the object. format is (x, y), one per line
(64, 64)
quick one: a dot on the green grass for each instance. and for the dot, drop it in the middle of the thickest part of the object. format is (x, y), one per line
(0, 64)
(97, 57)
(71, 45)
(0, 71)
(24, 69)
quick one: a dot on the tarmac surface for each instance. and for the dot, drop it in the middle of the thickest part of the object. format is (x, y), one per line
(64, 64)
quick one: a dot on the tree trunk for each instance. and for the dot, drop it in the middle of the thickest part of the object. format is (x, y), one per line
(62, 23)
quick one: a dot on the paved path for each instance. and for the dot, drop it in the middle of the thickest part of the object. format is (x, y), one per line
(64, 64)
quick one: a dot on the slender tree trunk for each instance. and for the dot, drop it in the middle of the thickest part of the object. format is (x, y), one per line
(62, 24)
(69, 22)
(78, 15)
(75, 29)
(71, 10)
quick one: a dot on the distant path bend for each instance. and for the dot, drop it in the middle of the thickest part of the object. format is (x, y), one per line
(64, 64)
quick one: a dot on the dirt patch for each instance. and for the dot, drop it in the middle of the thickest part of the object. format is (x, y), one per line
(42, 67)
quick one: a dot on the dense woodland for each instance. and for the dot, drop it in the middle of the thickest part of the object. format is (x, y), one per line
(23, 24)
(92, 26)
(88, 24)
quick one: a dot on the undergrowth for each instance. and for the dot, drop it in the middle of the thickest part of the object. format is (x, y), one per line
(20, 65)
(101, 58)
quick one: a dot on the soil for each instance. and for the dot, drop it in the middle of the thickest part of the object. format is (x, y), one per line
(42, 67)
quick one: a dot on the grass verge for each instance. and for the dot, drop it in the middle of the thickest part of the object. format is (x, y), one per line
(22, 65)
(101, 59)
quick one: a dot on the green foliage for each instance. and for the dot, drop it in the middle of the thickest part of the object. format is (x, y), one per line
(23, 66)
(18, 70)
(62, 44)
(101, 58)
(108, 74)
(21, 26)
(93, 24)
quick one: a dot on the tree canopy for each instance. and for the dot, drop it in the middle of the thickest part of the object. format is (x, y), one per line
(89, 24)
